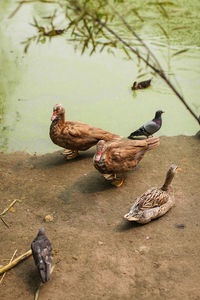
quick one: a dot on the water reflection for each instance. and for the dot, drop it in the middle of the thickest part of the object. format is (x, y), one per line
(9, 78)
(95, 90)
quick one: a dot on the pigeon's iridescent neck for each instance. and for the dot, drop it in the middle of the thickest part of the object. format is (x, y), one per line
(158, 122)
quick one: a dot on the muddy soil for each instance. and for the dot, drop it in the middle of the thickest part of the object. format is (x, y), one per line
(98, 254)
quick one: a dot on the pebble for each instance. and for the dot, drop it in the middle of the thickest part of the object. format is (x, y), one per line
(48, 218)
(180, 226)
(143, 249)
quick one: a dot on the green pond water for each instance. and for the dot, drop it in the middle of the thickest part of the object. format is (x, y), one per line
(95, 90)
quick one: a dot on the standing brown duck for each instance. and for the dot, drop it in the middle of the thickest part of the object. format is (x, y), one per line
(155, 202)
(116, 158)
(74, 135)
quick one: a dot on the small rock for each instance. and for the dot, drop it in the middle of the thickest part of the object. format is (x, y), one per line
(100, 243)
(48, 218)
(180, 226)
(143, 249)
(75, 258)
(147, 237)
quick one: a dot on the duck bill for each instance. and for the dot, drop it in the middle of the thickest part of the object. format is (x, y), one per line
(130, 218)
(98, 156)
(54, 116)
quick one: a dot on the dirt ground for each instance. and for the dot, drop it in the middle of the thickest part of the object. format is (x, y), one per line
(98, 254)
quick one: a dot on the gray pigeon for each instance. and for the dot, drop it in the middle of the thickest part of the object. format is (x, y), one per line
(42, 254)
(150, 127)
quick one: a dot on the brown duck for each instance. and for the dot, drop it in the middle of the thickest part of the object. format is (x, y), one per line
(155, 202)
(74, 135)
(141, 85)
(114, 159)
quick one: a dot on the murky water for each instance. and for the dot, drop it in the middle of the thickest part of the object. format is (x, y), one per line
(94, 90)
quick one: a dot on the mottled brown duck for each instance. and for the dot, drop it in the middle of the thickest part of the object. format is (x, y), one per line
(114, 159)
(74, 135)
(155, 202)
(141, 85)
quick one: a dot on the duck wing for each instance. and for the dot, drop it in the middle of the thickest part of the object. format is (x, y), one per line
(124, 155)
(85, 131)
(153, 197)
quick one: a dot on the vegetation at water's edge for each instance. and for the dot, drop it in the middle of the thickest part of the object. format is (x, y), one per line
(89, 25)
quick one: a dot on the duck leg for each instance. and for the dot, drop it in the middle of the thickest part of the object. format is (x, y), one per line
(109, 176)
(70, 154)
(118, 181)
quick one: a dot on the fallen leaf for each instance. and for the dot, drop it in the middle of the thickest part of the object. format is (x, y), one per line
(11, 209)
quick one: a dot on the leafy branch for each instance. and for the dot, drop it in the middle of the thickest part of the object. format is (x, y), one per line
(90, 27)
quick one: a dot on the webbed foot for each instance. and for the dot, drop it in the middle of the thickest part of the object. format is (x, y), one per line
(118, 181)
(70, 154)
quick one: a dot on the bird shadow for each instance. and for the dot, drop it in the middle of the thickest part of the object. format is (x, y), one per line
(56, 159)
(86, 184)
(29, 274)
(126, 225)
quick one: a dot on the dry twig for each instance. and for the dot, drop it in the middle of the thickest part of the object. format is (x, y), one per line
(6, 209)
(9, 263)
(15, 262)
(4, 222)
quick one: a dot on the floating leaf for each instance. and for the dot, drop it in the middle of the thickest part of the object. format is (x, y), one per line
(26, 48)
(167, 3)
(35, 22)
(137, 15)
(162, 10)
(126, 52)
(141, 75)
(180, 52)
(84, 46)
(153, 73)
(110, 51)
(180, 27)
(147, 60)
(93, 50)
(102, 48)
(164, 31)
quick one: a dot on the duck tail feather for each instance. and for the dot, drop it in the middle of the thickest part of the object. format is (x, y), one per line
(153, 142)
